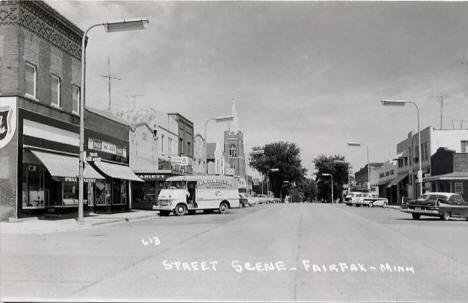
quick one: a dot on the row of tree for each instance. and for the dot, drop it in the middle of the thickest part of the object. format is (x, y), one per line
(280, 165)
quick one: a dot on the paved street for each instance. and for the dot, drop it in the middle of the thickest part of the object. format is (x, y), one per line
(307, 252)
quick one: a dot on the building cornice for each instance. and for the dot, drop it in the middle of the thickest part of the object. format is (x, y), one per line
(42, 20)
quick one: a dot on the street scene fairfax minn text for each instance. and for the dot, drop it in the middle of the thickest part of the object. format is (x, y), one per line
(161, 151)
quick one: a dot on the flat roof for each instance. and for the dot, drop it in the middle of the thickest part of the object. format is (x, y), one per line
(199, 177)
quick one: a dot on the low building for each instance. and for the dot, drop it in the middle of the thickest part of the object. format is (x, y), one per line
(215, 159)
(387, 173)
(199, 156)
(153, 146)
(362, 179)
(449, 172)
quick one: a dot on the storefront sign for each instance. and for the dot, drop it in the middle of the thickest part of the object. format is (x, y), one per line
(182, 161)
(107, 147)
(7, 120)
(156, 177)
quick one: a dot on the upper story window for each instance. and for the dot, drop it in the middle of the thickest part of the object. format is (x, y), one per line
(233, 151)
(55, 90)
(162, 144)
(188, 148)
(464, 146)
(169, 146)
(30, 77)
(76, 99)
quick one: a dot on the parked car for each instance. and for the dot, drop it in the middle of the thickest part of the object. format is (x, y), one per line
(355, 198)
(245, 200)
(437, 204)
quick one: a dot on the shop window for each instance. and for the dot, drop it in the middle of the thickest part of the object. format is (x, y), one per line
(459, 187)
(70, 190)
(30, 77)
(34, 194)
(55, 90)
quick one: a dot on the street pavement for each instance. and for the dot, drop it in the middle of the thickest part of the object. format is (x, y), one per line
(275, 252)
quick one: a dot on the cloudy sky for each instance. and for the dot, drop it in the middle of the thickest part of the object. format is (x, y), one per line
(306, 72)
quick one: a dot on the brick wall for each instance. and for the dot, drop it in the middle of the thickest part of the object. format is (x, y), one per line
(460, 162)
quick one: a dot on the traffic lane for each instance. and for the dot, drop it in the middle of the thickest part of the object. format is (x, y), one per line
(446, 237)
(55, 265)
(356, 239)
(263, 236)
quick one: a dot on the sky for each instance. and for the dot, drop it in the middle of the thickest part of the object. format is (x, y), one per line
(312, 73)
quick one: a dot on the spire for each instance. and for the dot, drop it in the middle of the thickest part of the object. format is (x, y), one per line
(234, 125)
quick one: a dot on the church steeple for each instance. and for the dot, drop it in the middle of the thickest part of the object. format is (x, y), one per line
(234, 125)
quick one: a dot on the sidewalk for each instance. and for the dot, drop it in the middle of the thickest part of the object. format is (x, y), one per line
(53, 225)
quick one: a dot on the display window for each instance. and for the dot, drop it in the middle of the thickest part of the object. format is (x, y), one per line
(34, 193)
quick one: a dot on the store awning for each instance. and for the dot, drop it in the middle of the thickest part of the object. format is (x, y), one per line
(65, 166)
(397, 180)
(448, 177)
(118, 171)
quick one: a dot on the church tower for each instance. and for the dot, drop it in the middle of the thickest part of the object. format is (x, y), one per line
(234, 147)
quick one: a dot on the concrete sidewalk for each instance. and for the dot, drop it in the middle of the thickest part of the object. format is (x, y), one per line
(53, 225)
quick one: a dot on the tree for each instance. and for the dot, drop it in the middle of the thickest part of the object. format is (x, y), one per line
(326, 164)
(284, 158)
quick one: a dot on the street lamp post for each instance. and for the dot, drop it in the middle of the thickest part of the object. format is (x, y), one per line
(110, 27)
(368, 163)
(403, 103)
(331, 176)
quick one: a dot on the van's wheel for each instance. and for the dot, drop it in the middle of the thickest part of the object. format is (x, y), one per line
(242, 205)
(223, 208)
(384, 205)
(180, 209)
(371, 204)
(416, 216)
(446, 216)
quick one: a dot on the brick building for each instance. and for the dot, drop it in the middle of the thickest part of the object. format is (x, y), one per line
(183, 163)
(40, 70)
(449, 172)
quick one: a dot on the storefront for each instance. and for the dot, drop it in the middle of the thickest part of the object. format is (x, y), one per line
(40, 162)
(145, 195)
(114, 192)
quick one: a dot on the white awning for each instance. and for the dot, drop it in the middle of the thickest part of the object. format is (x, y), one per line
(118, 171)
(397, 180)
(65, 166)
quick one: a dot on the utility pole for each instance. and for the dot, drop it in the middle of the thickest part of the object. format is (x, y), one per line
(134, 96)
(109, 77)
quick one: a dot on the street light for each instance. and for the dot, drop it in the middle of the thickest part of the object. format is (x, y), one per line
(110, 27)
(331, 176)
(386, 102)
(356, 144)
(218, 119)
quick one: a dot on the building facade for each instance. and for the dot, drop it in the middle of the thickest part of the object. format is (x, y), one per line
(449, 172)
(361, 177)
(199, 155)
(387, 173)
(215, 159)
(431, 140)
(40, 73)
(153, 145)
(183, 162)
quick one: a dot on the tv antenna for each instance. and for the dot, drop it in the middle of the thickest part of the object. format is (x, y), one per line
(109, 77)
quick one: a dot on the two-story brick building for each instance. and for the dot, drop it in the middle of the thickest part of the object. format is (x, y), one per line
(408, 155)
(40, 71)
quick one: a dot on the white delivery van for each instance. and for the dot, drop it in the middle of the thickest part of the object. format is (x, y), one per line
(191, 193)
